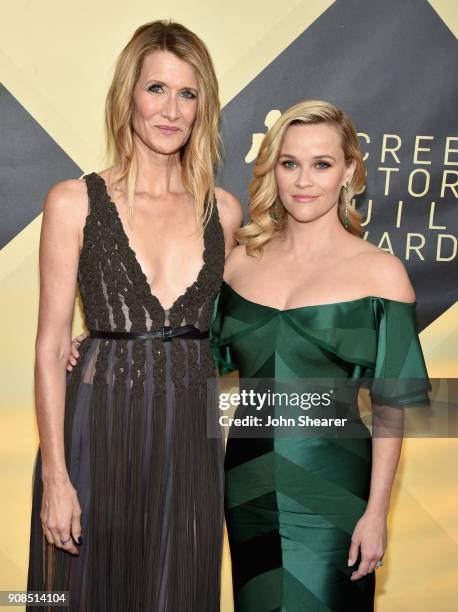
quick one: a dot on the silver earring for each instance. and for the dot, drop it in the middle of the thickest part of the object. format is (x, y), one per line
(346, 219)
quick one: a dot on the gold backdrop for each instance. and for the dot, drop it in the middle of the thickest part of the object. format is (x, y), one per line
(57, 60)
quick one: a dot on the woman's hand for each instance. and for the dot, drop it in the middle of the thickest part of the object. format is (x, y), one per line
(369, 535)
(74, 353)
(61, 516)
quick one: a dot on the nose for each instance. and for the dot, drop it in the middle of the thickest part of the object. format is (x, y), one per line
(303, 179)
(171, 110)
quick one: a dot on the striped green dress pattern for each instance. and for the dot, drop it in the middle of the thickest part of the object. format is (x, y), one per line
(291, 504)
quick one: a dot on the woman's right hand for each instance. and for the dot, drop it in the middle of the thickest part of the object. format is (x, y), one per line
(74, 353)
(61, 516)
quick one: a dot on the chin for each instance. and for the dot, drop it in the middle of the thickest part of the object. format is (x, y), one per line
(307, 213)
(163, 146)
(168, 149)
(301, 215)
(304, 218)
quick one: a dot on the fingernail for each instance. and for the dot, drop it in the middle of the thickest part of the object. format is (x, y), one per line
(80, 540)
(349, 562)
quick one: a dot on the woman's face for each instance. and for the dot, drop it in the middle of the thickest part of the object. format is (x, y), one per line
(165, 102)
(311, 170)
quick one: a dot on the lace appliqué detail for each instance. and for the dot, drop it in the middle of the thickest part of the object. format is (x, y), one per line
(116, 296)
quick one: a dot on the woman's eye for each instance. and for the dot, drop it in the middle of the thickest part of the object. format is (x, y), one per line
(188, 94)
(288, 164)
(323, 165)
(155, 88)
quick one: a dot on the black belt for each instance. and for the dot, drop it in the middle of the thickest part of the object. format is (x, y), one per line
(165, 334)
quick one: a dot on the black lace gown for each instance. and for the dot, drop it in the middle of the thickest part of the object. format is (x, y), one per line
(148, 478)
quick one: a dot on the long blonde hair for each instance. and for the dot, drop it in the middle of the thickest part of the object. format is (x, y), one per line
(201, 152)
(267, 213)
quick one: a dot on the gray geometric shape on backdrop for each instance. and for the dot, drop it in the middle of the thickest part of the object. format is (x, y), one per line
(392, 66)
(30, 163)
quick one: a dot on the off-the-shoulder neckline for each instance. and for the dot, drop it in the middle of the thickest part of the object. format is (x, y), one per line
(309, 306)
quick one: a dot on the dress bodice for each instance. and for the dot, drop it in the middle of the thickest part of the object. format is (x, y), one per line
(369, 338)
(115, 291)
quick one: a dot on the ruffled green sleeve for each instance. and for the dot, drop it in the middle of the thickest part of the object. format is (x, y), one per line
(400, 377)
(221, 352)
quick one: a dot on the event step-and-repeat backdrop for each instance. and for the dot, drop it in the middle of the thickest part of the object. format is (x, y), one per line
(391, 65)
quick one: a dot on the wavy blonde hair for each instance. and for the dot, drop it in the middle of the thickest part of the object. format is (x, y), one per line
(200, 154)
(267, 213)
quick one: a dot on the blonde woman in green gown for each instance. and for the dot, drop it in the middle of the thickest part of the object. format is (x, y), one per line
(305, 297)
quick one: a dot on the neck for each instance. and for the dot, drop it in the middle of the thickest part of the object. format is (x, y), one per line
(316, 237)
(159, 174)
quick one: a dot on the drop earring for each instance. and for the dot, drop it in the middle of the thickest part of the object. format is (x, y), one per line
(275, 211)
(346, 219)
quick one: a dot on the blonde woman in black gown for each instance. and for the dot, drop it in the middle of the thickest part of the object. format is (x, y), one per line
(127, 497)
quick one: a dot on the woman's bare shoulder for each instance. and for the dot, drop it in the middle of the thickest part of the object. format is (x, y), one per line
(230, 208)
(236, 262)
(388, 275)
(67, 193)
(67, 202)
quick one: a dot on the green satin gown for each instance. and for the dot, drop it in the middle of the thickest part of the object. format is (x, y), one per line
(292, 504)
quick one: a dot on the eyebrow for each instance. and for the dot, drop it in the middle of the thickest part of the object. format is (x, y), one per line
(159, 82)
(314, 157)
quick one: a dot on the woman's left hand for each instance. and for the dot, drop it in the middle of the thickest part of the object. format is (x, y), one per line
(369, 535)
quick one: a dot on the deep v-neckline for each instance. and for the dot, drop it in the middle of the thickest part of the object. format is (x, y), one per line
(136, 263)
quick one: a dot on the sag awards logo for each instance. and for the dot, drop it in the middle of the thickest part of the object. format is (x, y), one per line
(419, 168)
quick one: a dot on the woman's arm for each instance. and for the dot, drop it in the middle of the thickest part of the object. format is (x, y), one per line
(370, 533)
(63, 218)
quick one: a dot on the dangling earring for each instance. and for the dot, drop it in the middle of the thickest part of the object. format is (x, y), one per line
(346, 219)
(275, 211)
